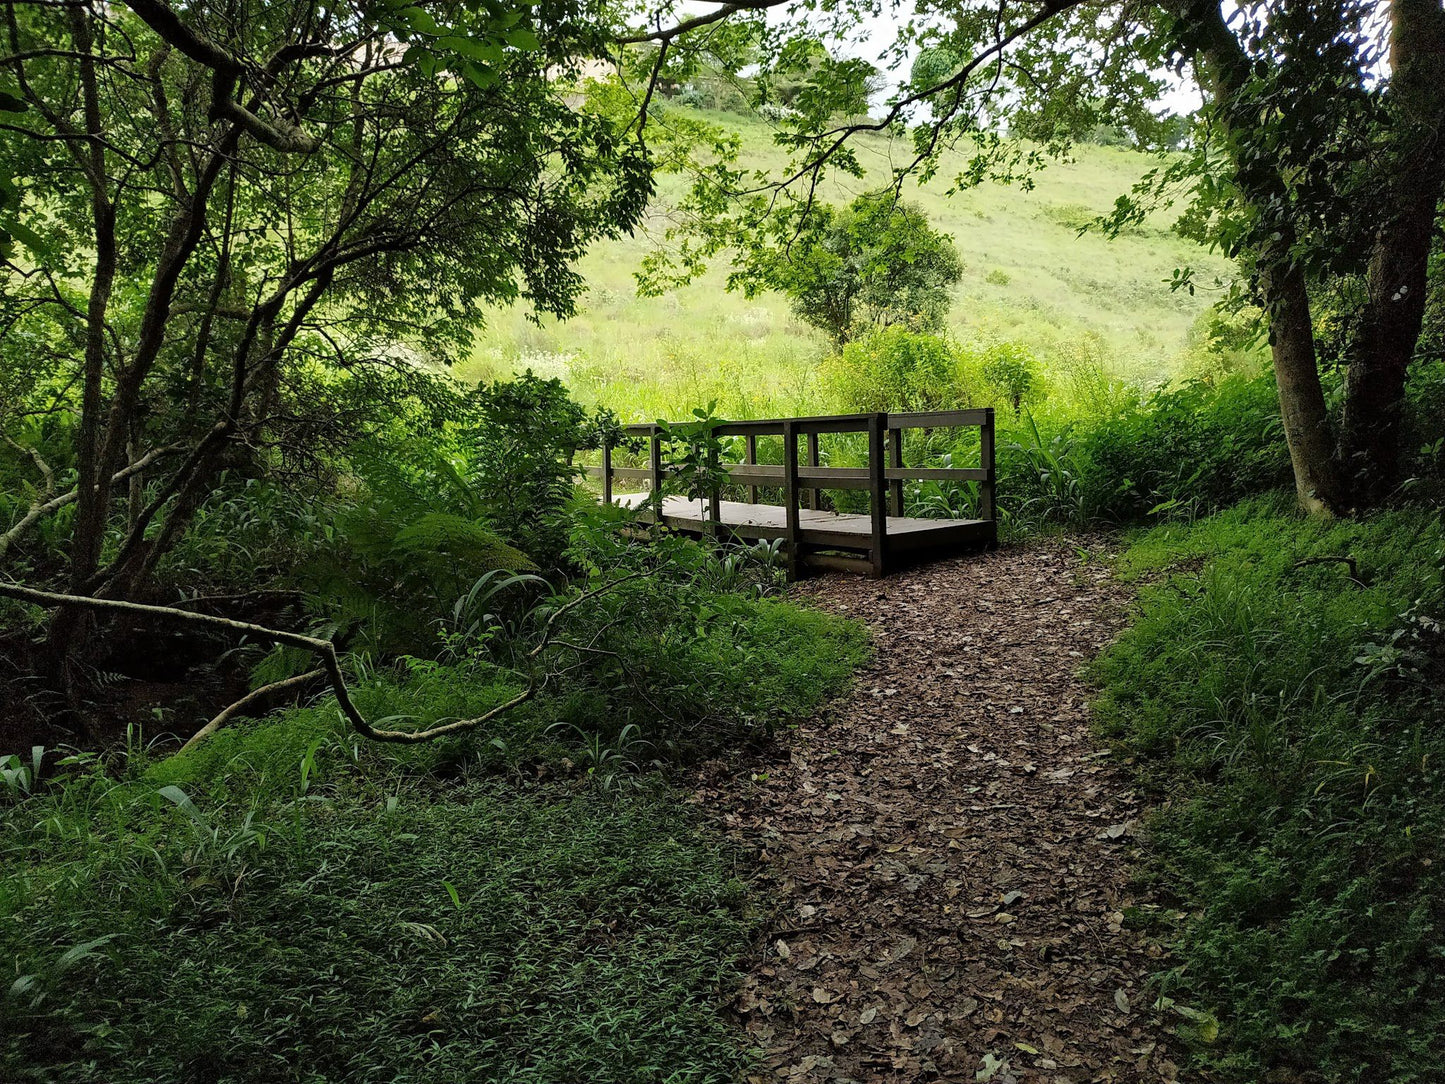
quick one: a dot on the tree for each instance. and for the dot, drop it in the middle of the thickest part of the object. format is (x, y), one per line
(874, 264)
(252, 227)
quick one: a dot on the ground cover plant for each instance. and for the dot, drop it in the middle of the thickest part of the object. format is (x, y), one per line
(241, 910)
(383, 927)
(1280, 693)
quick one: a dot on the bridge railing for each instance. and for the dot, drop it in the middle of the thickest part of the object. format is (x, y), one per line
(804, 475)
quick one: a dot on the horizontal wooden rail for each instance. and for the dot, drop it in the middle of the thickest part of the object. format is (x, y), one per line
(941, 419)
(804, 478)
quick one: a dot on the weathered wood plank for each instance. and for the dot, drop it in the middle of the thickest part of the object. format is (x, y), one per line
(751, 459)
(986, 458)
(895, 463)
(939, 419)
(790, 493)
(878, 510)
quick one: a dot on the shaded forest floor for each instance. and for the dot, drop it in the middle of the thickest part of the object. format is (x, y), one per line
(947, 849)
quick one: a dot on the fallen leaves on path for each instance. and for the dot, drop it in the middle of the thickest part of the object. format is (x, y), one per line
(947, 849)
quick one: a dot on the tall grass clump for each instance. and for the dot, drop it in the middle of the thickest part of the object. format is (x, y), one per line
(1287, 708)
(396, 928)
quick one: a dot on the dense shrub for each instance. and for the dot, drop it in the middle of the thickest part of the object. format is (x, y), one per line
(1180, 453)
(1291, 721)
(895, 369)
(1185, 451)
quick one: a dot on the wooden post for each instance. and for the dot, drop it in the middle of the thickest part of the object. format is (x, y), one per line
(790, 493)
(714, 493)
(876, 493)
(813, 501)
(895, 459)
(606, 471)
(751, 459)
(656, 466)
(986, 461)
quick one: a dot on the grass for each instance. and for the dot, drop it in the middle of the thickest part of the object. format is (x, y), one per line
(1289, 721)
(469, 932)
(528, 903)
(1029, 279)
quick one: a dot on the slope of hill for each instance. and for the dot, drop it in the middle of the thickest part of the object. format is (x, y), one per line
(1030, 278)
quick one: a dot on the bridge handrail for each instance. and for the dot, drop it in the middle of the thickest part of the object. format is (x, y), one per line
(794, 477)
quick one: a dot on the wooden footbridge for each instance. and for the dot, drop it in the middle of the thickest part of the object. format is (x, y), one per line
(873, 542)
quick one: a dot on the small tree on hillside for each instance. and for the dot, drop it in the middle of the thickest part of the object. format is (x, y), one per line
(874, 264)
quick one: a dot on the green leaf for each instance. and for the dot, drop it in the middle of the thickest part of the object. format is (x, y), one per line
(419, 20)
(76, 953)
(524, 38)
(482, 50)
(452, 892)
(182, 801)
(478, 75)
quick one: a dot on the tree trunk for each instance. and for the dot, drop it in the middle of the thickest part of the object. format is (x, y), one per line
(1302, 408)
(1224, 71)
(1413, 180)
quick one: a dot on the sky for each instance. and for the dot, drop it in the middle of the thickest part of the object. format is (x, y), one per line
(875, 33)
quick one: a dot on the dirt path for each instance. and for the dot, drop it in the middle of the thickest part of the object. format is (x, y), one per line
(947, 852)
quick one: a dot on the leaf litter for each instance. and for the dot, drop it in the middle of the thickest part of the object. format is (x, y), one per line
(945, 852)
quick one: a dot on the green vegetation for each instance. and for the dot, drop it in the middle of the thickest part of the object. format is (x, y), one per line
(246, 248)
(1285, 708)
(364, 921)
(1028, 279)
(288, 894)
(876, 263)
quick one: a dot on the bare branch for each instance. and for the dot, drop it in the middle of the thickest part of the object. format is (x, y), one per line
(665, 35)
(253, 697)
(326, 651)
(39, 510)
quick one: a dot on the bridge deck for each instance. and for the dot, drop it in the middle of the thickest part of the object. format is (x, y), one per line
(823, 530)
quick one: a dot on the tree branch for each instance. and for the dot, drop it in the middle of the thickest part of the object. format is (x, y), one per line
(254, 696)
(276, 134)
(326, 651)
(39, 511)
(663, 36)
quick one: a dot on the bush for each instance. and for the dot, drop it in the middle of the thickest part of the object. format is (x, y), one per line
(1182, 453)
(895, 369)
(1291, 722)
(1186, 451)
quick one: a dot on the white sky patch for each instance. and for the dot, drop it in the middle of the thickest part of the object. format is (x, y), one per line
(874, 36)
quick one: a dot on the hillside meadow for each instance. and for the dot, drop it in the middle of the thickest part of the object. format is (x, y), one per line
(1031, 278)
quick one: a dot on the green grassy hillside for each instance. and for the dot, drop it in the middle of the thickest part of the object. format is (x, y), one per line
(1029, 278)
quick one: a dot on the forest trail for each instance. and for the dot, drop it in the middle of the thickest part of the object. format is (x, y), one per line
(947, 849)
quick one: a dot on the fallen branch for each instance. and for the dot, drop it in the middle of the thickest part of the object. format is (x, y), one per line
(246, 701)
(1339, 559)
(326, 650)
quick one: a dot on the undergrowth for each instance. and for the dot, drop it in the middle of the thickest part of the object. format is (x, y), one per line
(405, 931)
(1287, 710)
(529, 901)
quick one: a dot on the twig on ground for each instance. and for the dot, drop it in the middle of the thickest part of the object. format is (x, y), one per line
(1336, 559)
